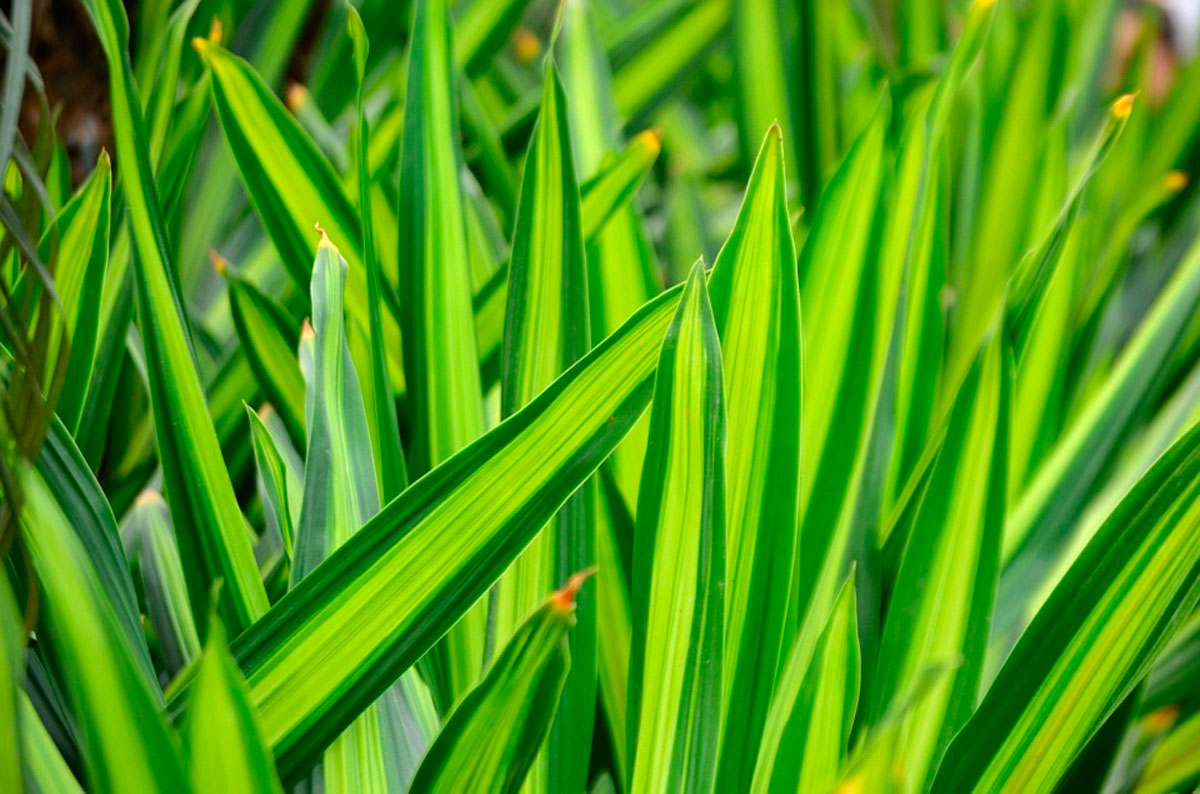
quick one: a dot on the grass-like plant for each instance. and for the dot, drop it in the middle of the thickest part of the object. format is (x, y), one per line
(713, 396)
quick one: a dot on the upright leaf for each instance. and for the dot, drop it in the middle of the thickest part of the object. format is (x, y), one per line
(12, 674)
(679, 561)
(546, 331)
(385, 431)
(126, 744)
(150, 542)
(438, 331)
(940, 607)
(848, 313)
(82, 257)
(340, 495)
(224, 746)
(808, 727)
(517, 700)
(756, 304)
(212, 532)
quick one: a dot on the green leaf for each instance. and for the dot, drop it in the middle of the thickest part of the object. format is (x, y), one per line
(212, 536)
(224, 746)
(409, 558)
(808, 727)
(1094, 639)
(1058, 488)
(482, 27)
(79, 496)
(268, 337)
(340, 494)
(385, 431)
(756, 304)
(290, 183)
(602, 196)
(126, 744)
(679, 561)
(1175, 762)
(941, 602)
(81, 248)
(42, 763)
(150, 543)
(646, 76)
(440, 358)
(764, 77)
(517, 700)
(13, 744)
(847, 318)
(546, 331)
(620, 278)
(279, 482)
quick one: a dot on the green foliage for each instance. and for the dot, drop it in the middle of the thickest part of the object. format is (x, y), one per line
(495, 486)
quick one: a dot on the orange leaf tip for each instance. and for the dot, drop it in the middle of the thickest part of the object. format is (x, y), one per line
(215, 30)
(265, 411)
(564, 599)
(219, 263)
(1175, 181)
(306, 331)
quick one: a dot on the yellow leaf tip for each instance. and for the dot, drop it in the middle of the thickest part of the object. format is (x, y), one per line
(148, 497)
(983, 5)
(324, 241)
(200, 44)
(652, 140)
(1175, 181)
(526, 45)
(564, 599)
(306, 331)
(216, 31)
(1123, 106)
(296, 96)
(265, 411)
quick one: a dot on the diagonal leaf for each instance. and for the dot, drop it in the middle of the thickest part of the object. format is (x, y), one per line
(409, 560)
(1094, 639)
(756, 304)
(679, 561)
(42, 763)
(517, 699)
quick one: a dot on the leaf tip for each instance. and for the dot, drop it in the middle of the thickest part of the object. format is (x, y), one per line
(215, 30)
(265, 411)
(1123, 106)
(1175, 181)
(564, 599)
(296, 97)
(307, 334)
(148, 497)
(651, 139)
(219, 263)
(525, 45)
